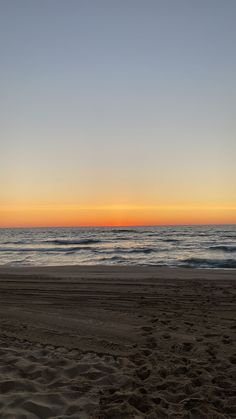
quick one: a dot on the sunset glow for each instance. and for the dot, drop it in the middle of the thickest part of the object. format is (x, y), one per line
(115, 216)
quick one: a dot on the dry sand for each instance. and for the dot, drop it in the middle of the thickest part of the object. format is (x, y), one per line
(117, 342)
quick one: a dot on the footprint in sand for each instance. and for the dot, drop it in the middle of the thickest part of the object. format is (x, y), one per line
(151, 343)
(143, 373)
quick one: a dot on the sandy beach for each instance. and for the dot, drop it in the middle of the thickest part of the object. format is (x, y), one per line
(117, 342)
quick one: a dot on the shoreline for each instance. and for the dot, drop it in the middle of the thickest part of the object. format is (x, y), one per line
(117, 342)
(99, 266)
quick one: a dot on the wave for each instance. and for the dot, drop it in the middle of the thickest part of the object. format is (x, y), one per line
(17, 242)
(123, 230)
(208, 263)
(171, 240)
(121, 250)
(116, 239)
(64, 242)
(164, 239)
(22, 249)
(17, 262)
(117, 259)
(229, 236)
(137, 250)
(69, 242)
(224, 248)
(45, 249)
(74, 249)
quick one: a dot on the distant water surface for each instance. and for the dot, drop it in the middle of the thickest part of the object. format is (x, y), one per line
(183, 246)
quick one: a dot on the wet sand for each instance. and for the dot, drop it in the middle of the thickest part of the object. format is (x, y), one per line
(117, 342)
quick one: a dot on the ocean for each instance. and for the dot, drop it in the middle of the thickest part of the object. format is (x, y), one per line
(211, 246)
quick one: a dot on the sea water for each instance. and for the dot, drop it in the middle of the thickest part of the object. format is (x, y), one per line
(212, 246)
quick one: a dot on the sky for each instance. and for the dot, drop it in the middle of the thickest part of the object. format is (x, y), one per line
(117, 112)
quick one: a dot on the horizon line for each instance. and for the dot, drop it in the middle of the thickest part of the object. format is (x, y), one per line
(120, 226)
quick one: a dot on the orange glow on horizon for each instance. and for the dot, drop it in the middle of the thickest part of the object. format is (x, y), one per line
(114, 215)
